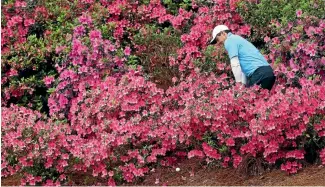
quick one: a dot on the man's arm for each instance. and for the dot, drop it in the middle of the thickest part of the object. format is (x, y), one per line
(236, 70)
(232, 49)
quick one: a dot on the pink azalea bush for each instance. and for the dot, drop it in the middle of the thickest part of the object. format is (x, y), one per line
(108, 119)
(300, 48)
(29, 50)
(270, 124)
(130, 124)
(114, 117)
(19, 17)
(22, 71)
(260, 14)
(33, 145)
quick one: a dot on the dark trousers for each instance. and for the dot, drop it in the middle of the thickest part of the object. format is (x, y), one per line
(262, 76)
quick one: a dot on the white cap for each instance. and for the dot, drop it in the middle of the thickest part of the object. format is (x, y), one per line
(216, 31)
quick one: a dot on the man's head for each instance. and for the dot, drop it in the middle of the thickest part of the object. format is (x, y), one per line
(219, 34)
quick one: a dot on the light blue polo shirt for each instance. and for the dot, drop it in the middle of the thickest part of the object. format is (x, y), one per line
(249, 56)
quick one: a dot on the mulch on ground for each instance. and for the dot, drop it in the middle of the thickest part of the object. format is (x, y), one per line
(192, 173)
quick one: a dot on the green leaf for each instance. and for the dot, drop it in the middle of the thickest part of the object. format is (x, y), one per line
(51, 90)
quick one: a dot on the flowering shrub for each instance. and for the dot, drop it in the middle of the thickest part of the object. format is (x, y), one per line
(108, 118)
(23, 73)
(155, 48)
(300, 48)
(115, 121)
(23, 54)
(28, 65)
(271, 125)
(33, 146)
(91, 58)
(260, 14)
(128, 124)
(20, 19)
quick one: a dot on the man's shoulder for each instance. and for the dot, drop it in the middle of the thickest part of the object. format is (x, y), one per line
(239, 40)
(236, 37)
(230, 38)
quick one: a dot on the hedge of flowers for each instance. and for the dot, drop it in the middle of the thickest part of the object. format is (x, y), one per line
(78, 94)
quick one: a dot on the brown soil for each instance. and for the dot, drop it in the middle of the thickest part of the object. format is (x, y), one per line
(192, 173)
(211, 176)
(11, 181)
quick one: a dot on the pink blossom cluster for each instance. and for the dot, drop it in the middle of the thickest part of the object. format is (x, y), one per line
(120, 123)
(116, 120)
(291, 167)
(270, 123)
(210, 152)
(32, 140)
(17, 23)
(87, 65)
(299, 48)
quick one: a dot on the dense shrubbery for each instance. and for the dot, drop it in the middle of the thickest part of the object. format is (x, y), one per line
(260, 15)
(32, 34)
(33, 145)
(81, 88)
(158, 46)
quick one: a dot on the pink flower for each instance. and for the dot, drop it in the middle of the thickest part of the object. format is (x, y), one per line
(114, 9)
(16, 19)
(85, 19)
(20, 4)
(118, 33)
(59, 49)
(177, 21)
(111, 173)
(245, 30)
(299, 13)
(62, 177)
(127, 51)
(29, 22)
(79, 30)
(230, 142)
(267, 39)
(49, 163)
(174, 80)
(111, 182)
(311, 49)
(196, 153)
(210, 152)
(63, 100)
(276, 40)
(111, 47)
(49, 182)
(237, 160)
(95, 34)
(48, 80)
(296, 36)
(12, 72)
